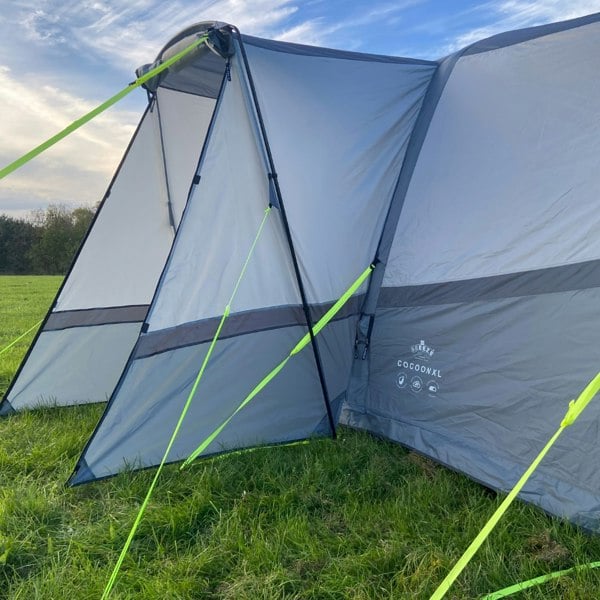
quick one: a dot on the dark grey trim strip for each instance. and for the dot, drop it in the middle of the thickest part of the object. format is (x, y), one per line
(319, 52)
(565, 278)
(196, 29)
(68, 319)
(6, 409)
(243, 323)
(510, 38)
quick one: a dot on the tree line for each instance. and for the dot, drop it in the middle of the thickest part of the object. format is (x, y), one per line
(45, 242)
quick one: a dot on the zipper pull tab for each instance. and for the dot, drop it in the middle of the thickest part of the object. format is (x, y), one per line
(228, 71)
(365, 351)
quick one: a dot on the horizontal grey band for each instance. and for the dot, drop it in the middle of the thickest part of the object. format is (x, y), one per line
(89, 317)
(579, 276)
(199, 332)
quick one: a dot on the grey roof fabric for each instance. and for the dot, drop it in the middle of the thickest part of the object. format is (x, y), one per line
(201, 77)
(200, 72)
(510, 38)
(315, 51)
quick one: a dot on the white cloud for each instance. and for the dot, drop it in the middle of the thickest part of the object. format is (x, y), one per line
(129, 33)
(522, 13)
(308, 32)
(123, 34)
(320, 33)
(77, 169)
(507, 15)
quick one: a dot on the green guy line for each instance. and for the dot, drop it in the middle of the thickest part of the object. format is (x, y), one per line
(322, 322)
(21, 337)
(113, 577)
(99, 109)
(524, 585)
(576, 407)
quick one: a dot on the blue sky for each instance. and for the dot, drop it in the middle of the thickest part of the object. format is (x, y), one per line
(60, 58)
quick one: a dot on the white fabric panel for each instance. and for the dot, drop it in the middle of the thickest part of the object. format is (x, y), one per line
(185, 119)
(508, 178)
(338, 131)
(124, 254)
(222, 219)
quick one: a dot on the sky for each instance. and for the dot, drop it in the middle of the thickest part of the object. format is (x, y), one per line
(61, 58)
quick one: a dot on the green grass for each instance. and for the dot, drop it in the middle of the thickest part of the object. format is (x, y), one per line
(353, 519)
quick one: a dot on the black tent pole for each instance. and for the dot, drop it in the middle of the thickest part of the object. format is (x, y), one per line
(275, 182)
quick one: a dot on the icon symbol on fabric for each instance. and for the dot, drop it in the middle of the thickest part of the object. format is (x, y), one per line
(401, 380)
(432, 388)
(416, 384)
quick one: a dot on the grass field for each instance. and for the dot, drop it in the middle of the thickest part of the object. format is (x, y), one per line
(353, 519)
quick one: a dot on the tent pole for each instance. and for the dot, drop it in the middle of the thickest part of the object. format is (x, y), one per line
(273, 178)
(164, 161)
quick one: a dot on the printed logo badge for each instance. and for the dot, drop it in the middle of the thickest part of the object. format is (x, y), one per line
(418, 374)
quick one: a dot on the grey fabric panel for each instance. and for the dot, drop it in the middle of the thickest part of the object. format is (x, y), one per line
(236, 324)
(417, 138)
(359, 380)
(496, 189)
(336, 347)
(323, 428)
(511, 38)
(190, 290)
(96, 316)
(142, 415)
(578, 503)
(201, 76)
(354, 162)
(74, 366)
(528, 283)
(304, 50)
(493, 391)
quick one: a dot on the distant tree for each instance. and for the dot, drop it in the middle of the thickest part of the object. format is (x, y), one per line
(17, 236)
(60, 232)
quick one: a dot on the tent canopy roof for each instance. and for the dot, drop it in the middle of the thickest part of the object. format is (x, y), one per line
(202, 71)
